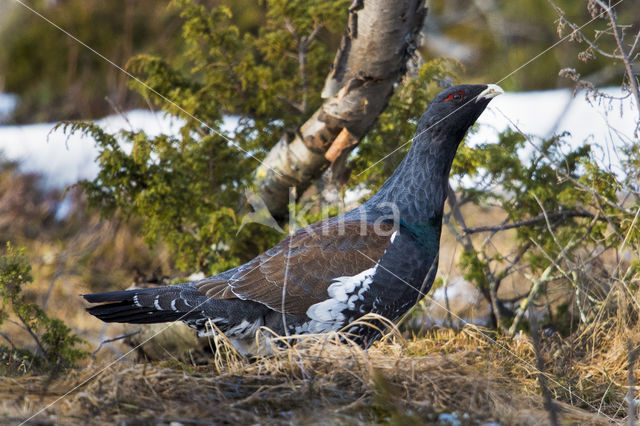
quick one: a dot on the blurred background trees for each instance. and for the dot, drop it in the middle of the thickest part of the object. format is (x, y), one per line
(58, 79)
(55, 77)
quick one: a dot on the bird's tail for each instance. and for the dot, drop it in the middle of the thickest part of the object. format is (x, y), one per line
(148, 305)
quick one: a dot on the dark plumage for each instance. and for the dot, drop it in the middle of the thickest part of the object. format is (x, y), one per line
(380, 257)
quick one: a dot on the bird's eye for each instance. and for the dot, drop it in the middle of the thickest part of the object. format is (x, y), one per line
(455, 96)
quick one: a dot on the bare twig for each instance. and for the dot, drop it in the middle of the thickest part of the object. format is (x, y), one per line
(303, 43)
(564, 214)
(113, 339)
(627, 57)
(624, 56)
(8, 339)
(490, 292)
(454, 205)
(507, 270)
(33, 334)
(524, 306)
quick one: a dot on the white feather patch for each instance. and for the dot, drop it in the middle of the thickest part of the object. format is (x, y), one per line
(343, 293)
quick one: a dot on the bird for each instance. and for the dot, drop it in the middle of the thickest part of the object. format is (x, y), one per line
(380, 257)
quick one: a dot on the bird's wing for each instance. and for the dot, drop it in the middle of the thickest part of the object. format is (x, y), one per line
(310, 259)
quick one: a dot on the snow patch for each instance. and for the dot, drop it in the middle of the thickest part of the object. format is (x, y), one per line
(457, 289)
(605, 124)
(65, 159)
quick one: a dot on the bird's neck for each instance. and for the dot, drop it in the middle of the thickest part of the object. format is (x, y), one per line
(418, 187)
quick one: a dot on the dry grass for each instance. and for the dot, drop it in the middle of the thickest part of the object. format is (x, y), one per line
(319, 380)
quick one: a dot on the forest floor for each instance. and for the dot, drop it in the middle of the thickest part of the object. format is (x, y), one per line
(444, 377)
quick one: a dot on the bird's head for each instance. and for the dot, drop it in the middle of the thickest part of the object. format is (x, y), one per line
(454, 110)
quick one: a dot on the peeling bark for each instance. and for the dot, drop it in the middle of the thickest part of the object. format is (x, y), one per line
(380, 38)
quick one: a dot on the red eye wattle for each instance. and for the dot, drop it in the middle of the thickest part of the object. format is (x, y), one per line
(456, 96)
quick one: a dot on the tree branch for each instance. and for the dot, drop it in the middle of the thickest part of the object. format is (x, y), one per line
(32, 333)
(623, 56)
(380, 38)
(564, 214)
(490, 293)
(633, 84)
(576, 30)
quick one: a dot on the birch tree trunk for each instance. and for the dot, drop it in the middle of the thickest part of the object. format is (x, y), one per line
(380, 38)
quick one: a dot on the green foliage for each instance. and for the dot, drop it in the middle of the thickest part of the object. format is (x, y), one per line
(475, 268)
(57, 346)
(187, 189)
(523, 187)
(258, 78)
(562, 203)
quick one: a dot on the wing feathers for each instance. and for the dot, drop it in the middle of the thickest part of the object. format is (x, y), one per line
(312, 258)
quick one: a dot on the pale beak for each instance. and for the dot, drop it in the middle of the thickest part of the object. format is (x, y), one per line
(490, 92)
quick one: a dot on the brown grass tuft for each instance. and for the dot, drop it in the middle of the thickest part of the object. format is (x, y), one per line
(318, 379)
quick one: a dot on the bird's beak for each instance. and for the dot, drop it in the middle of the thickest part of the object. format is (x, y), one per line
(490, 92)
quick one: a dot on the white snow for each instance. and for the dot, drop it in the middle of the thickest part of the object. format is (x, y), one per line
(604, 124)
(64, 160)
(461, 299)
(457, 289)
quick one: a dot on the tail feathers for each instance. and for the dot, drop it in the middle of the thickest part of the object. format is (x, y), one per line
(149, 305)
(117, 296)
(127, 312)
